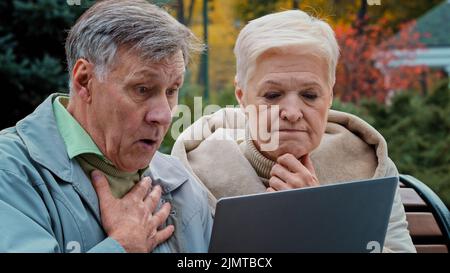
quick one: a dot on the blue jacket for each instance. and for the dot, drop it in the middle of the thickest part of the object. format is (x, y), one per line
(48, 204)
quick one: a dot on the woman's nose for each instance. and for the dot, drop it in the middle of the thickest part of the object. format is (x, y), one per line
(291, 112)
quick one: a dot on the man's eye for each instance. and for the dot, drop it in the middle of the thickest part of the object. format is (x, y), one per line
(142, 90)
(271, 95)
(171, 92)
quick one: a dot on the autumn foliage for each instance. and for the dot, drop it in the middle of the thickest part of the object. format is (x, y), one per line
(366, 51)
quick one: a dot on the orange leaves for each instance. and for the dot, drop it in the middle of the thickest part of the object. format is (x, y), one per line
(364, 69)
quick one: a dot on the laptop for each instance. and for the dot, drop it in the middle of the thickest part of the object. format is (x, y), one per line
(344, 217)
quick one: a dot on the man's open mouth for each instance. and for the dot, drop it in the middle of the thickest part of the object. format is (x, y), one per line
(149, 142)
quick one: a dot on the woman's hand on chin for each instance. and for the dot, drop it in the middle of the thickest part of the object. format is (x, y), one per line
(292, 173)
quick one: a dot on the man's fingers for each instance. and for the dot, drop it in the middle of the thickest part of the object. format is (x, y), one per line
(161, 216)
(152, 199)
(270, 189)
(140, 190)
(101, 186)
(164, 234)
(156, 236)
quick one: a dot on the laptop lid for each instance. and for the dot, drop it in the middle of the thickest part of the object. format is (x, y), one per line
(343, 217)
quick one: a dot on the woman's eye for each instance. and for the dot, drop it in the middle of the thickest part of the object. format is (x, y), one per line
(271, 95)
(309, 96)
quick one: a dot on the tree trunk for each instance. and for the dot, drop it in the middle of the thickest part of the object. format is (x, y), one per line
(361, 16)
(180, 12)
(191, 11)
(423, 83)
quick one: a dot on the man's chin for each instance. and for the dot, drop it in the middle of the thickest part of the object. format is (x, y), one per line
(138, 161)
(134, 167)
(145, 162)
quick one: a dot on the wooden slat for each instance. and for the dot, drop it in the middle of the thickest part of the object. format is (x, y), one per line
(422, 224)
(431, 248)
(410, 198)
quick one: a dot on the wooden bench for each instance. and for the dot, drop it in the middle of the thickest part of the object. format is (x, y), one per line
(428, 217)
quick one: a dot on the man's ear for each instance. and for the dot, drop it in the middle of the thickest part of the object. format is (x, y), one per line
(239, 94)
(82, 74)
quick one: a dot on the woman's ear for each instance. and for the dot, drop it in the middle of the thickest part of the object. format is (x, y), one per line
(239, 94)
(82, 74)
(331, 99)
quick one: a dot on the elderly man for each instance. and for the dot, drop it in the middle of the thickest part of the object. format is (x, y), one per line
(126, 61)
(286, 66)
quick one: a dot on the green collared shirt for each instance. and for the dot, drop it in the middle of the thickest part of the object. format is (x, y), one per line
(77, 140)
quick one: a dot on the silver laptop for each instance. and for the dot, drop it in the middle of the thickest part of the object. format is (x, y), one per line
(344, 217)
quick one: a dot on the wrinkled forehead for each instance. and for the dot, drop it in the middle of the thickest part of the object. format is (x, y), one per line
(130, 64)
(290, 59)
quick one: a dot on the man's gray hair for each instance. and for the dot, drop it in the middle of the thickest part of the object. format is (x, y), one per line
(134, 25)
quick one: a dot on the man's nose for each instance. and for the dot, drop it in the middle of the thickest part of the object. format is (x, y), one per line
(291, 110)
(159, 112)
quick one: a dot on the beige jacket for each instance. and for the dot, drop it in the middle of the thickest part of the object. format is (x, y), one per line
(213, 150)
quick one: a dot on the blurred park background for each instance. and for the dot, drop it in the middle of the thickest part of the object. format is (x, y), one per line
(393, 71)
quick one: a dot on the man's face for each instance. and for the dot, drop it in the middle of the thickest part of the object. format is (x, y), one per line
(297, 83)
(131, 108)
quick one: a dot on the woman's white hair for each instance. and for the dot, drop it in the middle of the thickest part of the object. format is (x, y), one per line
(135, 25)
(281, 29)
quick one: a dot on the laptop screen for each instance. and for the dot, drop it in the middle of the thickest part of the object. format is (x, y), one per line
(342, 217)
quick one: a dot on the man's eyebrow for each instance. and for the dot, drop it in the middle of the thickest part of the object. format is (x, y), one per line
(142, 73)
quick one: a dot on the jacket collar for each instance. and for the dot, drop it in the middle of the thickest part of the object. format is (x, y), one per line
(45, 145)
(165, 172)
(40, 134)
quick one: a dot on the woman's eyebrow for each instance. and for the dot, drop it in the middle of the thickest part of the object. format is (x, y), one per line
(271, 82)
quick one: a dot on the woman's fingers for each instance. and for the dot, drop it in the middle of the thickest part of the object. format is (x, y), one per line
(278, 185)
(295, 173)
(306, 161)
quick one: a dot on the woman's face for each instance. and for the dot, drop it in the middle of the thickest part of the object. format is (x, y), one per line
(297, 83)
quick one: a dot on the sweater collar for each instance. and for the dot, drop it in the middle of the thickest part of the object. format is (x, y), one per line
(259, 162)
(101, 164)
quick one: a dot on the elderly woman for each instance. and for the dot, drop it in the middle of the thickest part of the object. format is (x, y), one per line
(286, 61)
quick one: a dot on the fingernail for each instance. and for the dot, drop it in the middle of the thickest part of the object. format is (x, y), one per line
(147, 180)
(96, 175)
(172, 227)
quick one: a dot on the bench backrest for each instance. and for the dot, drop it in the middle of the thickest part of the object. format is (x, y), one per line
(427, 216)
